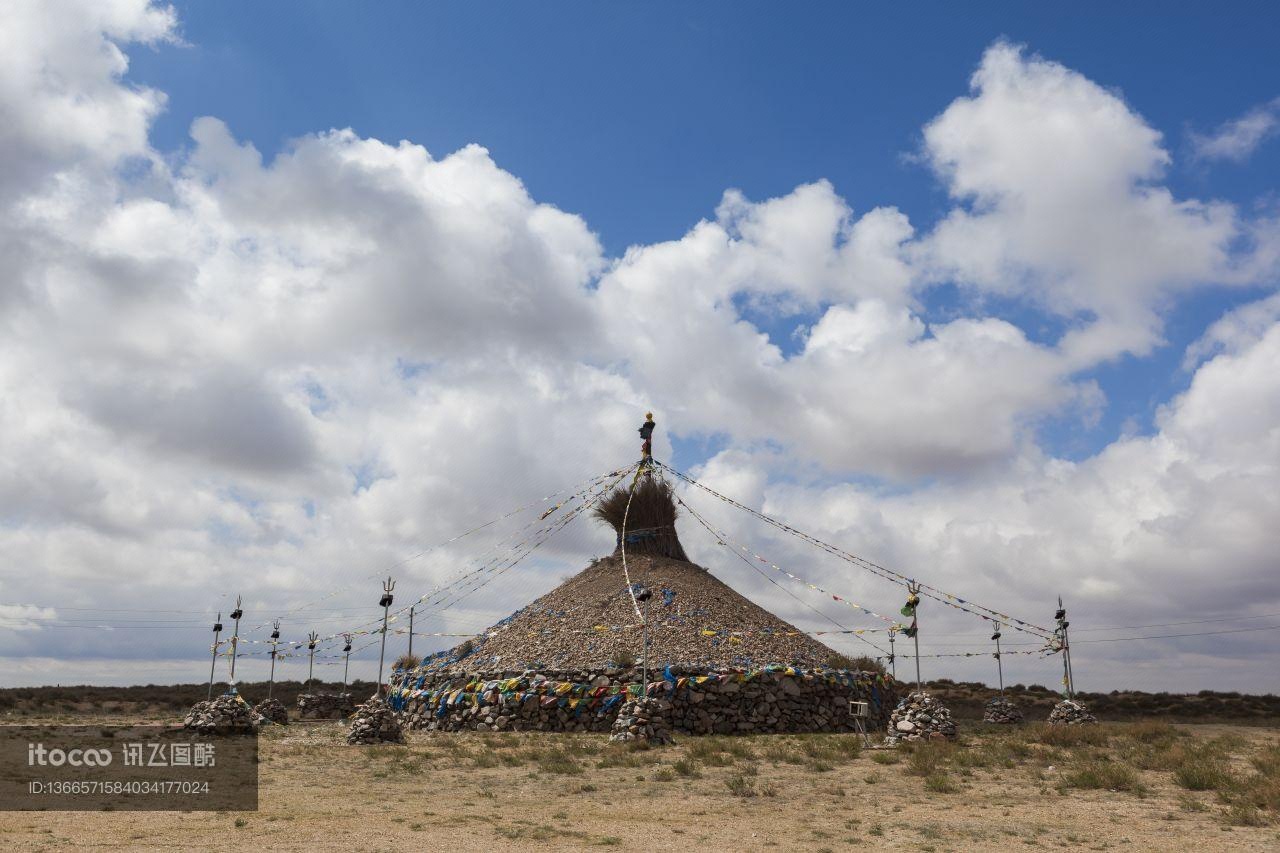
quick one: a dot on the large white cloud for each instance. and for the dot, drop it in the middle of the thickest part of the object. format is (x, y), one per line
(1060, 203)
(222, 374)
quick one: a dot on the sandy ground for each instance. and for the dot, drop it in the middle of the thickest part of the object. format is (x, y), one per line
(509, 792)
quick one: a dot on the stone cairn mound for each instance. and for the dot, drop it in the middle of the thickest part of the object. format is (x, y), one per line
(920, 717)
(325, 706)
(226, 715)
(273, 711)
(1002, 711)
(645, 720)
(568, 661)
(375, 722)
(1069, 712)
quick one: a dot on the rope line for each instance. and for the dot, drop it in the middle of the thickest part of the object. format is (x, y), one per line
(897, 577)
(622, 544)
(722, 541)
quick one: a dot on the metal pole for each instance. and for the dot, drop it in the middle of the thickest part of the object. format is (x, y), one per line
(275, 641)
(346, 666)
(893, 662)
(644, 663)
(642, 598)
(217, 629)
(1061, 616)
(311, 645)
(999, 663)
(385, 601)
(915, 638)
(411, 609)
(235, 639)
(1066, 649)
(914, 592)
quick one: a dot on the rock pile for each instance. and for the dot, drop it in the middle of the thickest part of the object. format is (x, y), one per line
(1002, 711)
(375, 722)
(772, 699)
(588, 623)
(1069, 712)
(646, 720)
(920, 717)
(272, 710)
(325, 706)
(224, 715)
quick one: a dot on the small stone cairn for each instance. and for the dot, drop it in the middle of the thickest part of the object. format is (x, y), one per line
(646, 720)
(1069, 712)
(920, 717)
(227, 714)
(375, 722)
(325, 706)
(272, 710)
(1002, 711)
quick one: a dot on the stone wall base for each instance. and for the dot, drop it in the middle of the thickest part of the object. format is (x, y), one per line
(769, 700)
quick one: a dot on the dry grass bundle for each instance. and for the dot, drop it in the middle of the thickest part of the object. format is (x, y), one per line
(407, 661)
(651, 520)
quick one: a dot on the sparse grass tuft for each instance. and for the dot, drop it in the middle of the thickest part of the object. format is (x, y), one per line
(940, 783)
(686, 767)
(929, 757)
(1101, 774)
(1071, 736)
(559, 761)
(740, 786)
(1202, 773)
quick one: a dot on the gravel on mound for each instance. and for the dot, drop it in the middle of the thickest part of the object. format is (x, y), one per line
(588, 621)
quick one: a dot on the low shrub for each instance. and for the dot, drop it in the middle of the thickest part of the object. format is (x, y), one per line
(940, 783)
(930, 757)
(1202, 773)
(1103, 775)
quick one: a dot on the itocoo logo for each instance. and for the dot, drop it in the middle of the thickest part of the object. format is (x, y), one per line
(38, 755)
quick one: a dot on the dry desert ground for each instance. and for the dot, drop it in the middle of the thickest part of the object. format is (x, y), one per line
(1115, 786)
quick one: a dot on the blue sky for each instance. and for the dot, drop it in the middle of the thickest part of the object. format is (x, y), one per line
(639, 116)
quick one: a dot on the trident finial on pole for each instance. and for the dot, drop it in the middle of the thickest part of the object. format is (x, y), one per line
(235, 641)
(385, 603)
(1068, 681)
(913, 630)
(893, 666)
(311, 646)
(999, 663)
(275, 641)
(347, 665)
